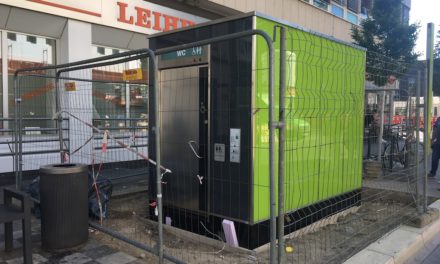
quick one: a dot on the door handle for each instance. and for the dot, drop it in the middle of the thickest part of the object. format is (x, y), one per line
(190, 143)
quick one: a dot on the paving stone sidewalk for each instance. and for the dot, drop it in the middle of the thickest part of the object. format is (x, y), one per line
(92, 252)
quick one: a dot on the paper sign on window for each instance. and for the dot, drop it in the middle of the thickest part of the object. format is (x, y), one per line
(70, 86)
(132, 75)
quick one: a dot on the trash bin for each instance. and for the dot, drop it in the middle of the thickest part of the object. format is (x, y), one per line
(64, 206)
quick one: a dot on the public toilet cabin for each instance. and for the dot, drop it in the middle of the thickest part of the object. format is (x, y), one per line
(215, 134)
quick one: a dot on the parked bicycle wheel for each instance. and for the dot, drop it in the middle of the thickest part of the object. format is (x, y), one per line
(391, 155)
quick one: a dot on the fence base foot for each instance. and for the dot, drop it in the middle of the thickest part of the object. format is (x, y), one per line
(424, 219)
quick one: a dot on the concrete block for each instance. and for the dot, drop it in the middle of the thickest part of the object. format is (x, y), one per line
(370, 257)
(425, 219)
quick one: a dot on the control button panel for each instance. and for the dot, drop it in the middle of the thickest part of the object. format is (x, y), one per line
(234, 155)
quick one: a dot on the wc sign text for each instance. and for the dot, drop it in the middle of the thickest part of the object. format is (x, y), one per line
(196, 51)
(184, 53)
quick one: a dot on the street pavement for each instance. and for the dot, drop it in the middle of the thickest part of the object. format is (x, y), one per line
(429, 254)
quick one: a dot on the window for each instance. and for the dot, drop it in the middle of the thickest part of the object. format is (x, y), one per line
(341, 2)
(31, 39)
(37, 93)
(12, 36)
(100, 50)
(321, 4)
(119, 104)
(354, 5)
(337, 11)
(351, 17)
(405, 14)
(367, 4)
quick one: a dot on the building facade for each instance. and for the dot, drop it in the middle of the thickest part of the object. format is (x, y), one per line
(47, 32)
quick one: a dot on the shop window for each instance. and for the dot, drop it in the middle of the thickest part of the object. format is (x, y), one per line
(118, 105)
(37, 93)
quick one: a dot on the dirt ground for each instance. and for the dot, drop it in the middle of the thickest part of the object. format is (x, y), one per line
(378, 214)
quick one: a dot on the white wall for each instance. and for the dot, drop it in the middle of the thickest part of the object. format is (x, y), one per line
(76, 45)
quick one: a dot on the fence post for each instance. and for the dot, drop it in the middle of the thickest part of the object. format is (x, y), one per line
(381, 123)
(272, 126)
(417, 139)
(16, 135)
(428, 106)
(281, 140)
(59, 117)
(158, 159)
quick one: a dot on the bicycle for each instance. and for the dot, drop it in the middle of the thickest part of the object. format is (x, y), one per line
(400, 149)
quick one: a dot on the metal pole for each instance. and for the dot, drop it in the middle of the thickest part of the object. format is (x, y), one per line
(409, 153)
(59, 117)
(272, 126)
(282, 130)
(428, 106)
(379, 139)
(16, 132)
(131, 242)
(391, 108)
(20, 139)
(417, 138)
(158, 158)
(390, 122)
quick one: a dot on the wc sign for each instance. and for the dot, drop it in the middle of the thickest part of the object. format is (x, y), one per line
(196, 51)
(190, 56)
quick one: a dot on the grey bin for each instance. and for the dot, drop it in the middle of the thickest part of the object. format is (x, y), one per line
(64, 206)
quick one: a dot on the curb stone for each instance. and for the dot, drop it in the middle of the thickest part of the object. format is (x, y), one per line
(398, 245)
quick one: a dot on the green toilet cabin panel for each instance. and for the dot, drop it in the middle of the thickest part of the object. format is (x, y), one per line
(324, 118)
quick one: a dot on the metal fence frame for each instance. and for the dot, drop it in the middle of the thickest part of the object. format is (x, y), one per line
(147, 53)
(276, 254)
